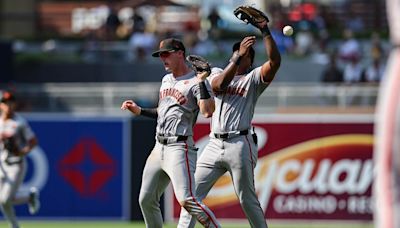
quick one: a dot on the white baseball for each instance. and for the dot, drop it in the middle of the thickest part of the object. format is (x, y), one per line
(287, 30)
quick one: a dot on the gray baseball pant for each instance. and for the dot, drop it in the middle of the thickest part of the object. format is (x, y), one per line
(238, 156)
(174, 162)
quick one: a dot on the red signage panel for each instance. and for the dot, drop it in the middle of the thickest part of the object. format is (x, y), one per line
(308, 168)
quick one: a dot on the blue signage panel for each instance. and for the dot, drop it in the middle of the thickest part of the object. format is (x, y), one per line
(80, 167)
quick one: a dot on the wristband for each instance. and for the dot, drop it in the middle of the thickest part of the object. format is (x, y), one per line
(265, 31)
(236, 58)
(203, 91)
(149, 112)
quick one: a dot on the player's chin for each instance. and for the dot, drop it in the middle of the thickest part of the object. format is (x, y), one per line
(167, 68)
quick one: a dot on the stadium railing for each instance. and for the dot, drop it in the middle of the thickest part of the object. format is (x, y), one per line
(279, 97)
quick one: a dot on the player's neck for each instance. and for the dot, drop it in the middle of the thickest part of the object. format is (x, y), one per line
(181, 71)
(242, 69)
(241, 72)
(6, 116)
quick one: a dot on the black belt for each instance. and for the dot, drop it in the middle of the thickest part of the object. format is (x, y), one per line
(13, 161)
(230, 135)
(170, 139)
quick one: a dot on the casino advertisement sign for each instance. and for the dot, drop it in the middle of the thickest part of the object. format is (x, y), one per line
(309, 167)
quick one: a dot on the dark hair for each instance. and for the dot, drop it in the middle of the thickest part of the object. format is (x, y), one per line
(236, 47)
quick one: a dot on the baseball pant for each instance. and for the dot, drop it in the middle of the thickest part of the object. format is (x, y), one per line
(238, 156)
(11, 177)
(174, 162)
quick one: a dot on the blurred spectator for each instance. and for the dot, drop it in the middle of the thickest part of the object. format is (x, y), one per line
(332, 73)
(322, 32)
(304, 38)
(377, 51)
(353, 73)
(319, 19)
(350, 48)
(139, 23)
(353, 70)
(215, 21)
(141, 44)
(354, 22)
(112, 23)
(374, 72)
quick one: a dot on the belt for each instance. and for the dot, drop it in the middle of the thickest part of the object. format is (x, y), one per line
(230, 135)
(170, 139)
(13, 161)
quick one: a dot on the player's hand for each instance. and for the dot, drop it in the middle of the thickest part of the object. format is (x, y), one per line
(201, 76)
(245, 45)
(131, 106)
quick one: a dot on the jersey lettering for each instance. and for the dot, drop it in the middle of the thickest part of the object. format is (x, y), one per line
(233, 91)
(172, 92)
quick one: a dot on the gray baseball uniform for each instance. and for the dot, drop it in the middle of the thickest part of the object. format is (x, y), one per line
(174, 155)
(231, 147)
(387, 132)
(12, 167)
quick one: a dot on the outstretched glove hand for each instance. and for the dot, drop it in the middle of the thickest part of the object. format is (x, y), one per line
(200, 66)
(251, 15)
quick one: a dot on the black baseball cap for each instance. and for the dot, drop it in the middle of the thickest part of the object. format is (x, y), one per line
(6, 96)
(170, 44)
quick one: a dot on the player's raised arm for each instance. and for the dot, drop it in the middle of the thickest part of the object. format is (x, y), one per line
(206, 102)
(258, 19)
(271, 66)
(221, 82)
(137, 110)
(203, 70)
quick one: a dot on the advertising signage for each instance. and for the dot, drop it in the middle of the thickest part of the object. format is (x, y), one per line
(314, 168)
(80, 166)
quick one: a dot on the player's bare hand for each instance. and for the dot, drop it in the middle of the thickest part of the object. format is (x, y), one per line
(131, 106)
(201, 76)
(245, 45)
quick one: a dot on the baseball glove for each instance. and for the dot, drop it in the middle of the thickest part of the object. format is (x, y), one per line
(10, 145)
(199, 64)
(251, 15)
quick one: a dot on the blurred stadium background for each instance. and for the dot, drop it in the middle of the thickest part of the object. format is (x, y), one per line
(71, 63)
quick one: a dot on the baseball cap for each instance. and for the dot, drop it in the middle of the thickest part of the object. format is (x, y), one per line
(170, 44)
(236, 47)
(6, 96)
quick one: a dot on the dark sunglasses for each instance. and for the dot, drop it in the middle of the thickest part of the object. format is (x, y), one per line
(166, 54)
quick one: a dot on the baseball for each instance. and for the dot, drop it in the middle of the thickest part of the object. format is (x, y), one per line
(288, 30)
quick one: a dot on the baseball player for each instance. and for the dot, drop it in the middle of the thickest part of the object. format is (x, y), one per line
(16, 141)
(182, 95)
(231, 147)
(386, 189)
